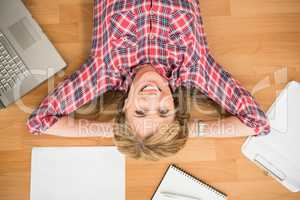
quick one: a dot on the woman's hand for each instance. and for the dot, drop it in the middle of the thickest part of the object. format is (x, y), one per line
(69, 127)
(227, 127)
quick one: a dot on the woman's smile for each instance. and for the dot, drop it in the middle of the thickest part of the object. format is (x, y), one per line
(150, 88)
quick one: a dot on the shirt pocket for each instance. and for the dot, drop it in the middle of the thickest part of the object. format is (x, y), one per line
(122, 30)
(182, 29)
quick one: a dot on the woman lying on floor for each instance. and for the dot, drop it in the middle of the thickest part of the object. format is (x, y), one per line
(156, 53)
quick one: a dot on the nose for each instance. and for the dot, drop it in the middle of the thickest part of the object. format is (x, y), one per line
(150, 102)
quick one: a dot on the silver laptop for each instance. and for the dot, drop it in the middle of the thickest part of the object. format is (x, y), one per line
(278, 153)
(27, 58)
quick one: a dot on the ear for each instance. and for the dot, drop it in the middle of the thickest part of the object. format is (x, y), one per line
(125, 105)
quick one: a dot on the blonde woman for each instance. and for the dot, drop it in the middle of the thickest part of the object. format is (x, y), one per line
(155, 52)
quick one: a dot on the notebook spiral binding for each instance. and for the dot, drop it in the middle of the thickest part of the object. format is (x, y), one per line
(207, 186)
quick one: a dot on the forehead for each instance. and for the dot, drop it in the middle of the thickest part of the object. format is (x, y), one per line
(147, 125)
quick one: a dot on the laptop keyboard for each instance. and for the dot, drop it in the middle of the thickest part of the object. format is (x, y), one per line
(12, 68)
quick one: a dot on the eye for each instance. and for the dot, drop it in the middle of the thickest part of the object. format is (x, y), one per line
(139, 113)
(164, 112)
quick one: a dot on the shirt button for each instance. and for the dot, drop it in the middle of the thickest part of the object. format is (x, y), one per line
(124, 39)
(169, 73)
(151, 12)
(151, 36)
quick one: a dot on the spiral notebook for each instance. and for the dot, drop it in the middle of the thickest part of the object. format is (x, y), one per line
(179, 182)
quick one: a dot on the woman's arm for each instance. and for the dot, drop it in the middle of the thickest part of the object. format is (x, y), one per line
(216, 83)
(227, 127)
(69, 127)
(91, 80)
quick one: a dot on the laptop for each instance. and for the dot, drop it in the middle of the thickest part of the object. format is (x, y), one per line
(278, 152)
(77, 173)
(27, 58)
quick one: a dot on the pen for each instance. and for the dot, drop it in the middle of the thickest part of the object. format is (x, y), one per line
(175, 196)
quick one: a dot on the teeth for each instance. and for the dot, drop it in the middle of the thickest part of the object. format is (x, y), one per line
(150, 87)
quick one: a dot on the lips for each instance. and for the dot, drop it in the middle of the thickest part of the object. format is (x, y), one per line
(150, 88)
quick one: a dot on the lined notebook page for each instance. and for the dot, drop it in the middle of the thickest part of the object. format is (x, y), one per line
(180, 182)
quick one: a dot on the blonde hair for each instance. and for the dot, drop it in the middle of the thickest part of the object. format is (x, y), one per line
(167, 141)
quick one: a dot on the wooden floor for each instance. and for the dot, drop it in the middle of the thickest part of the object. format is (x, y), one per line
(258, 41)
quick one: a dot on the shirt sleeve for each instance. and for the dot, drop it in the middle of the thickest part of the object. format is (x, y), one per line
(92, 79)
(221, 87)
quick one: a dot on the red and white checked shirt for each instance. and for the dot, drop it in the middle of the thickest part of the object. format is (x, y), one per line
(169, 35)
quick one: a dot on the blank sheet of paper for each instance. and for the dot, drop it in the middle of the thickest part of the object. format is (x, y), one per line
(77, 173)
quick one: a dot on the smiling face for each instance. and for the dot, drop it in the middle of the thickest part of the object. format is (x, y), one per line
(150, 103)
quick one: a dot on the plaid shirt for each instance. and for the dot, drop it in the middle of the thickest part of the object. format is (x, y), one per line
(167, 34)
